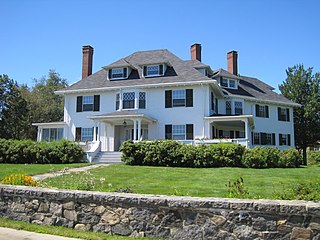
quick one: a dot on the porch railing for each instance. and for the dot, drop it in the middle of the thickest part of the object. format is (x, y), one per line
(241, 141)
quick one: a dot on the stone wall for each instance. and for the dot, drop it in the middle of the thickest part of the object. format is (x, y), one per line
(162, 216)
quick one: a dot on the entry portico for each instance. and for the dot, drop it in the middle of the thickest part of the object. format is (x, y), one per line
(120, 126)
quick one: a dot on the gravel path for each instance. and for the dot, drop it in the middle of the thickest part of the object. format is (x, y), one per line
(41, 177)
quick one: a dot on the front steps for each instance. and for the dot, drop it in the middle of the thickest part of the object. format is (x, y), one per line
(108, 157)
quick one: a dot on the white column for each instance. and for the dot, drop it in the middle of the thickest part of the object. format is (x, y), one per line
(39, 134)
(94, 132)
(246, 129)
(139, 129)
(136, 100)
(120, 101)
(134, 129)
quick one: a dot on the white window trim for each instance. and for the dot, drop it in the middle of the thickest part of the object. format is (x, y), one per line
(136, 99)
(185, 131)
(185, 97)
(155, 75)
(228, 83)
(117, 78)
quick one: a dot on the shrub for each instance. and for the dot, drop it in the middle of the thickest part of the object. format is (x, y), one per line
(309, 191)
(313, 157)
(27, 151)
(259, 157)
(290, 158)
(19, 179)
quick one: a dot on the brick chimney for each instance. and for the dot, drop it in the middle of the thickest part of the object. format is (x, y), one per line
(87, 56)
(232, 58)
(195, 51)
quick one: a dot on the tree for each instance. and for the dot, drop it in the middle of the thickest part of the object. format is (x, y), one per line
(44, 104)
(302, 86)
(13, 110)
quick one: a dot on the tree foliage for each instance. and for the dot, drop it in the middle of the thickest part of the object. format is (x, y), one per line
(44, 104)
(13, 110)
(303, 87)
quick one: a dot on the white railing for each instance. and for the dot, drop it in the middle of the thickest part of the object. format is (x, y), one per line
(95, 148)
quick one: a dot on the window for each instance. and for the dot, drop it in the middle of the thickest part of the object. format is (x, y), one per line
(88, 103)
(128, 100)
(283, 114)
(178, 98)
(284, 140)
(237, 108)
(228, 107)
(179, 132)
(118, 73)
(153, 70)
(263, 138)
(228, 83)
(142, 100)
(52, 134)
(262, 111)
(86, 134)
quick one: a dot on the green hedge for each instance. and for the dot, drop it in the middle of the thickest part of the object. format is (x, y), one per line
(174, 154)
(27, 151)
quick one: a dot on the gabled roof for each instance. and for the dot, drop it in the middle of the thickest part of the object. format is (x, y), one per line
(178, 71)
(252, 88)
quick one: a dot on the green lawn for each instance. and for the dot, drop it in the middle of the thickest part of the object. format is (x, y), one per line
(204, 182)
(60, 231)
(34, 169)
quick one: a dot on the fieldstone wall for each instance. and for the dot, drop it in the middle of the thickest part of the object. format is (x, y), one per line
(162, 216)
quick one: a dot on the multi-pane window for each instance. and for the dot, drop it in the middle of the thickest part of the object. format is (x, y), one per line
(142, 100)
(178, 98)
(118, 73)
(178, 132)
(87, 103)
(228, 83)
(283, 114)
(153, 70)
(262, 111)
(261, 138)
(284, 139)
(52, 134)
(238, 108)
(86, 134)
(128, 100)
(228, 107)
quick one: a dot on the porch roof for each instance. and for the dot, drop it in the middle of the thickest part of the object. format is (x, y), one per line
(50, 124)
(121, 115)
(228, 118)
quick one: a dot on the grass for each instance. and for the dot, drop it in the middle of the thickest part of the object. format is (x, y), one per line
(201, 182)
(34, 169)
(60, 231)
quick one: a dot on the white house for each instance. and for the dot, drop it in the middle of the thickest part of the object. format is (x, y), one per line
(156, 95)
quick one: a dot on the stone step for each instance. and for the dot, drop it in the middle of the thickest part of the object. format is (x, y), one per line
(108, 157)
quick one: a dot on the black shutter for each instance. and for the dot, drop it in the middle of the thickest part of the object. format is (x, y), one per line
(288, 115)
(168, 131)
(97, 132)
(78, 134)
(280, 139)
(212, 101)
(273, 139)
(96, 103)
(145, 71)
(252, 139)
(232, 134)
(189, 96)
(257, 111)
(125, 73)
(267, 111)
(213, 134)
(279, 114)
(237, 134)
(160, 69)
(168, 99)
(189, 130)
(220, 134)
(110, 74)
(289, 140)
(263, 138)
(79, 104)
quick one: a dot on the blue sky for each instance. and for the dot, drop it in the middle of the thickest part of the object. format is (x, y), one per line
(270, 36)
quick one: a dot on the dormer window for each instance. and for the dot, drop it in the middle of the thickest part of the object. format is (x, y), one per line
(118, 73)
(228, 83)
(153, 70)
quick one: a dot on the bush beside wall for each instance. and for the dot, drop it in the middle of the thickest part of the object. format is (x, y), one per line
(27, 151)
(174, 154)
